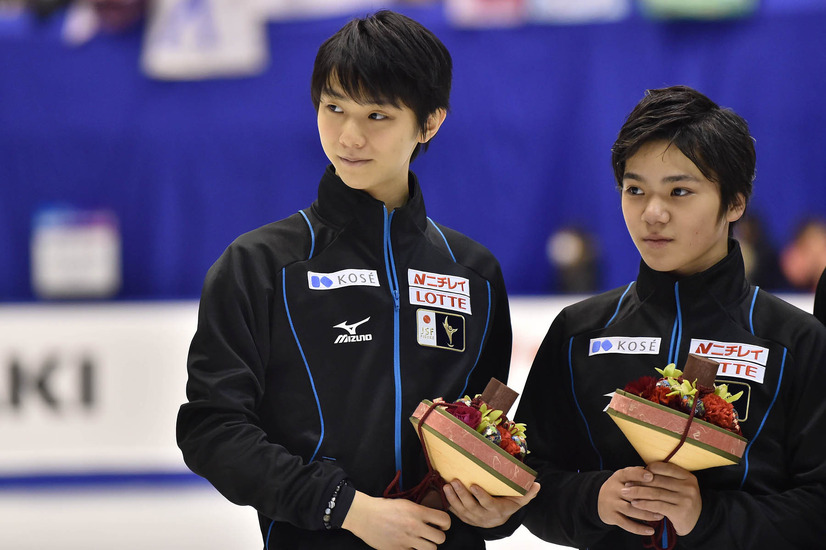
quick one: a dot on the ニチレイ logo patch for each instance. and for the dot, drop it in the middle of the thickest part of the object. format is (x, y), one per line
(436, 329)
(737, 360)
(437, 290)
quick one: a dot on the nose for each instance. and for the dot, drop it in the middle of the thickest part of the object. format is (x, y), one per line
(351, 135)
(655, 212)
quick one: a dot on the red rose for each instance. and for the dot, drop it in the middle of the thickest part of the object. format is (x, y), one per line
(468, 415)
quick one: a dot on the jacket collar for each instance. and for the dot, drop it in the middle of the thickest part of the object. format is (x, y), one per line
(722, 285)
(341, 205)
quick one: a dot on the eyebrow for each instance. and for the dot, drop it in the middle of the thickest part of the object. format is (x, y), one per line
(668, 179)
(334, 94)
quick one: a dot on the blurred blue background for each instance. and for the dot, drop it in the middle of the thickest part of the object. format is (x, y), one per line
(525, 151)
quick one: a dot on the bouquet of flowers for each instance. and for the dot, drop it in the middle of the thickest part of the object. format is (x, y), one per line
(681, 417)
(491, 423)
(472, 440)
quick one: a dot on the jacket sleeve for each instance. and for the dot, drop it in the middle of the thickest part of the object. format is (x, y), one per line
(218, 428)
(793, 518)
(565, 511)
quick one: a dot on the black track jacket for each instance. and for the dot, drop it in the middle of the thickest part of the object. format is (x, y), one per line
(774, 498)
(317, 337)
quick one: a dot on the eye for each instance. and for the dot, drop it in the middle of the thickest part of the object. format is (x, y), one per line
(632, 190)
(377, 116)
(680, 192)
(334, 108)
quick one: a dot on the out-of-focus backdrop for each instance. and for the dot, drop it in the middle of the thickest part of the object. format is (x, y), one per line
(139, 137)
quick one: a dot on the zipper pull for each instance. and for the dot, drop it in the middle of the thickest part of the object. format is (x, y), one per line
(396, 299)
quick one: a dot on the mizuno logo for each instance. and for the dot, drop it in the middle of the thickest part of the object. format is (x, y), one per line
(351, 328)
(351, 335)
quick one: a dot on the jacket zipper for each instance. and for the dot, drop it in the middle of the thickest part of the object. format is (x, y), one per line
(393, 281)
(677, 331)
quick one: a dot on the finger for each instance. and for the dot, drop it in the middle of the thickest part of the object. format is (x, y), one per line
(639, 513)
(453, 501)
(669, 470)
(466, 498)
(648, 492)
(529, 496)
(436, 518)
(634, 527)
(432, 536)
(424, 544)
(634, 474)
(483, 497)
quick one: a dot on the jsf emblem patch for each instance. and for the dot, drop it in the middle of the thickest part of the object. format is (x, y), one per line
(440, 330)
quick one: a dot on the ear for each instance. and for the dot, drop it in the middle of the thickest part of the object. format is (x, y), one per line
(434, 122)
(736, 210)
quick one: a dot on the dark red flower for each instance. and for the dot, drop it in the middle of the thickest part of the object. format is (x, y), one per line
(720, 413)
(508, 444)
(660, 395)
(643, 386)
(468, 415)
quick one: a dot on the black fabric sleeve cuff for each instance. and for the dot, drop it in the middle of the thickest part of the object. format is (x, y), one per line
(343, 501)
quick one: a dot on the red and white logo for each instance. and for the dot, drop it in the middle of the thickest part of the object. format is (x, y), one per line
(745, 361)
(438, 290)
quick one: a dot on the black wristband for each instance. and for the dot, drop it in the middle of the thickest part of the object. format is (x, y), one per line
(331, 505)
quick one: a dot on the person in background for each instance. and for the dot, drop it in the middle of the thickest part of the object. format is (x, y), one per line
(820, 298)
(685, 167)
(804, 258)
(319, 334)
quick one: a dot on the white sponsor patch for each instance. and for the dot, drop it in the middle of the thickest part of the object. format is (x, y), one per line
(437, 290)
(745, 361)
(343, 278)
(625, 344)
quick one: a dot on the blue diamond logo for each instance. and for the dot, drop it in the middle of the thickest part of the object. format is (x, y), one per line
(595, 347)
(326, 282)
(606, 345)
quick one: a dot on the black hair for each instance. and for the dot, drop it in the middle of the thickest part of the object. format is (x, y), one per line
(715, 139)
(386, 58)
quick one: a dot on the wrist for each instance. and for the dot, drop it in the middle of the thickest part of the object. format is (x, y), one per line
(336, 508)
(355, 512)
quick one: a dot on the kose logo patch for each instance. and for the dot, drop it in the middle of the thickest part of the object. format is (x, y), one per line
(625, 344)
(341, 279)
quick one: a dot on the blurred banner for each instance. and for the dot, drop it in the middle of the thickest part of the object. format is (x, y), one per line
(196, 39)
(698, 9)
(75, 253)
(87, 388)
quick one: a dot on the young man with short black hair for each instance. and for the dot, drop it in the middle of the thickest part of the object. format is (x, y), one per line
(685, 168)
(319, 334)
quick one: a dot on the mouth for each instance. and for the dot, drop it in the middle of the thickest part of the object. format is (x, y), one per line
(656, 241)
(348, 161)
